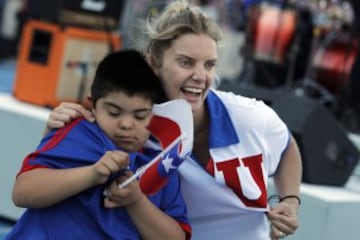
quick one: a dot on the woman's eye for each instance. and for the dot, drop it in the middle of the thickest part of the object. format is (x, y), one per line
(185, 63)
(210, 65)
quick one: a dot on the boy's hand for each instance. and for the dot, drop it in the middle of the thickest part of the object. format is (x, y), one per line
(127, 196)
(111, 162)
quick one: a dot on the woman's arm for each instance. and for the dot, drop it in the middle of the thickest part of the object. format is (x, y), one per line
(43, 187)
(288, 175)
(64, 113)
(287, 179)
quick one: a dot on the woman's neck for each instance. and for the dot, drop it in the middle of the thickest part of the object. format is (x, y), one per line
(201, 136)
(201, 120)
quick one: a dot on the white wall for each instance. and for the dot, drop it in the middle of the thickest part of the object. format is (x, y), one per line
(21, 128)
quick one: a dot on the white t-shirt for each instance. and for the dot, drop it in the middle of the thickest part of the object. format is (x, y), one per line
(229, 201)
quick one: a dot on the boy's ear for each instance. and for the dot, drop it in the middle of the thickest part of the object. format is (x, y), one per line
(90, 101)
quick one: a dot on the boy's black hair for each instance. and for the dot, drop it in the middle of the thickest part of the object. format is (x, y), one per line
(126, 71)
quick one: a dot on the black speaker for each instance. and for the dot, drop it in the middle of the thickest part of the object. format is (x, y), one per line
(329, 157)
(270, 74)
(101, 14)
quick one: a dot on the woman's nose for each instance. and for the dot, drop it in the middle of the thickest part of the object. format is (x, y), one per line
(199, 74)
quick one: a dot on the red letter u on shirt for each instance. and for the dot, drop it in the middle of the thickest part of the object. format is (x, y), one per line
(245, 177)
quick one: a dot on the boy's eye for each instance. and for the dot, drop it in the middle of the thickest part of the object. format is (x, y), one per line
(114, 114)
(142, 116)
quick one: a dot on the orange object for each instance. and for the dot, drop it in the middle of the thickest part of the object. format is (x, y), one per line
(274, 32)
(57, 63)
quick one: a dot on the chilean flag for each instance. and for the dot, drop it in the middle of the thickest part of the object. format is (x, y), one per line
(172, 127)
(171, 120)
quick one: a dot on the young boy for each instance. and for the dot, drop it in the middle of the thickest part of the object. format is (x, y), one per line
(63, 181)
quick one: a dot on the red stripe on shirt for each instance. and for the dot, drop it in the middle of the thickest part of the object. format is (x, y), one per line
(187, 230)
(58, 137)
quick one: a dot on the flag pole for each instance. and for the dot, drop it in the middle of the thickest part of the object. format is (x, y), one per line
(149, 164)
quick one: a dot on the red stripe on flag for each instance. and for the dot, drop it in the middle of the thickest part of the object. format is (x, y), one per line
(164, 129)
(151, 181)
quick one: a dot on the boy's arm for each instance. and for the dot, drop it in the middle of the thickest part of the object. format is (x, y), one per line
(43, 187)
(150, 221)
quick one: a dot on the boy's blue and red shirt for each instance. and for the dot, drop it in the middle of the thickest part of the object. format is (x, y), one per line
(83, 216)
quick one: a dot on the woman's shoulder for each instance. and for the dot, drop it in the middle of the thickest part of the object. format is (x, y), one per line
(242, 107)
(230, 99)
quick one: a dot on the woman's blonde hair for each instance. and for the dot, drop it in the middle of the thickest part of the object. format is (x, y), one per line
(178, 18)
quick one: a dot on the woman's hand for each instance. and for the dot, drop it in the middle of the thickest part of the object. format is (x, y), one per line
(66, 112)
(283, 219)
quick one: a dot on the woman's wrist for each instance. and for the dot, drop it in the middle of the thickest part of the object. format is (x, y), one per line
(292, 198)
(287, 198)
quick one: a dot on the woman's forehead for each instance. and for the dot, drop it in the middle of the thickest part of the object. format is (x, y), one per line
(195, 45)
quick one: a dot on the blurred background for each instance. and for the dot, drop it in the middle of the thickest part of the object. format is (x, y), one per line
(298, 56)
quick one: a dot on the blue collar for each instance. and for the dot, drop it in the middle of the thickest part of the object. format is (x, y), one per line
(222, 132)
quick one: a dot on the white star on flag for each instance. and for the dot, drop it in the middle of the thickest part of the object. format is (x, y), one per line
(172, 127)
(168, 163)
